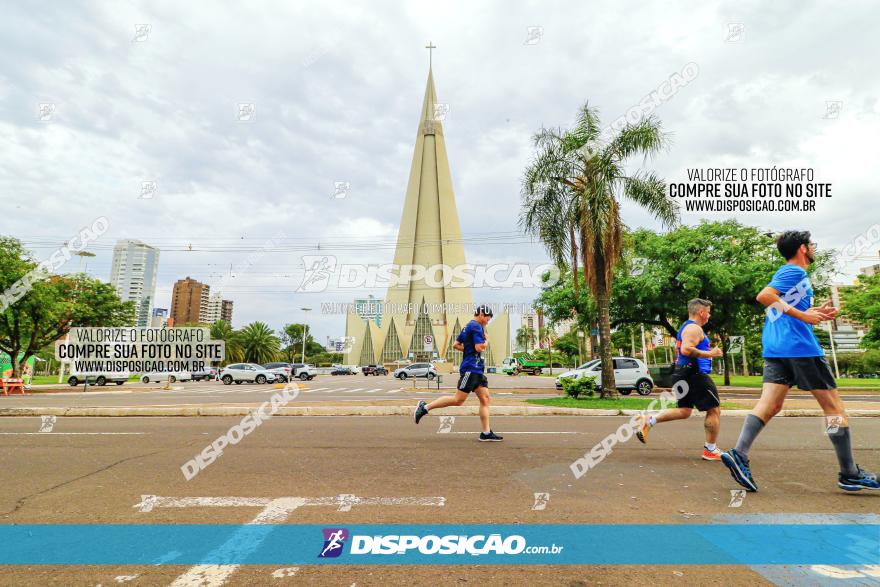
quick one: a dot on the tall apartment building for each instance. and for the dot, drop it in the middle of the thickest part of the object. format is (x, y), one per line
(226, 311)
(133, 274)
(189, 301)
(218, 309)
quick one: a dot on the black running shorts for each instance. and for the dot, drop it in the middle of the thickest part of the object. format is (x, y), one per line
(808, 373)
(470, 381)
(700, 392)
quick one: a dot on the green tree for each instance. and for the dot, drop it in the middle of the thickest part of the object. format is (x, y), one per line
(558, 301)
(51, 306)
(862, 304)
(593, 171)
(259, 343)
(292, 343)
(221, 330)
(724, 262)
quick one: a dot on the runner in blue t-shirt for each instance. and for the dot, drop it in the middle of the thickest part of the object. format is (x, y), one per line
(471, 342)
(792, 356)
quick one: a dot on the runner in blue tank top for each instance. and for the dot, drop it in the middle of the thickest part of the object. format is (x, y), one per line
(691, 381)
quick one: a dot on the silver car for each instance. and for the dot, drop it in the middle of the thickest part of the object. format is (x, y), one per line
(239, 372)
(426, 370)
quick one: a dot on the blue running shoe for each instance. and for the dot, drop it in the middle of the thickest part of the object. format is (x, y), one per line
(421, 410)
(863, 480)
(739, 468)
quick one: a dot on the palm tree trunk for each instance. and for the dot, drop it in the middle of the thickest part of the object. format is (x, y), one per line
(609, 388)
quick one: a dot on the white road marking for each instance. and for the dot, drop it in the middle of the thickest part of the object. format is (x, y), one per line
(393, 390)
(328, 390)
(354, 390)
(275, 511)
(509, 432)
(374, 390)
(72, 433)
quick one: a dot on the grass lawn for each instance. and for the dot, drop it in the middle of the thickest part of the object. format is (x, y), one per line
(622, 403)
(755, 381)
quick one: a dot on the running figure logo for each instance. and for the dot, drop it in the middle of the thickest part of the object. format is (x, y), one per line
(334, 540)
(318, 271)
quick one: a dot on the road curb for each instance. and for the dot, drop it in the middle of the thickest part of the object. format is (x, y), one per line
(190, 411)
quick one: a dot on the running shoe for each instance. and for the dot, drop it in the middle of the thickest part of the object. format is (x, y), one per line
(490, 437)
(739, 468)
(421, 410)
(643, 429)
(863, 480)
(711, 455)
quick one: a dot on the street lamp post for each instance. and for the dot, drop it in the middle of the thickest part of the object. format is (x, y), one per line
(305, 332)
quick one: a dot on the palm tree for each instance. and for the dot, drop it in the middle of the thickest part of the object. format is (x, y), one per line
(571, 193)
(221, 330)
(259, 343)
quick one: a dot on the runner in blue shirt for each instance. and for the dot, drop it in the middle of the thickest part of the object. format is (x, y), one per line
(792, 356)
(472, 341)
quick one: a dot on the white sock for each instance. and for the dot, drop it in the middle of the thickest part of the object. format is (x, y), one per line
(652, 421)
(710, 446)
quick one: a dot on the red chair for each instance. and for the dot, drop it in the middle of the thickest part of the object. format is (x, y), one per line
(9, 385)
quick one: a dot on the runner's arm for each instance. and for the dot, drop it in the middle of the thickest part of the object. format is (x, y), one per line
(770, 297)
(690, 338)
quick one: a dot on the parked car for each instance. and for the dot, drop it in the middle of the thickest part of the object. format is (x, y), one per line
(97, 378)
(281, 371)
(416, 370)
(342, 371)
(374, 370)
(303, 371)
(629, 374)
(171, 376)
(239, 372)
(208, 374)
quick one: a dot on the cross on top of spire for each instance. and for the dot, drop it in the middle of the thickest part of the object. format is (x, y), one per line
(430, 47)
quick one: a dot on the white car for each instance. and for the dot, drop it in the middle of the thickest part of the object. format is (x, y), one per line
(97, 378)
(629, 374)
(426, 370)
(239, 372)
(171, 376)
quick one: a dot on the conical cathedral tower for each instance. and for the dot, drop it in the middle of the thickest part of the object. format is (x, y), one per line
(423, 314)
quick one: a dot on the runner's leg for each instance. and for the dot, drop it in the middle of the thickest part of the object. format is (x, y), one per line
(449, 400)
(837, 426)
(772, 398)
(482, 394)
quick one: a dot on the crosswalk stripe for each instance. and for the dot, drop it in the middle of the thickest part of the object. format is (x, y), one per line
(393, 390)
(315, 389)
(353, 390)
(374, 390)
(328, 390)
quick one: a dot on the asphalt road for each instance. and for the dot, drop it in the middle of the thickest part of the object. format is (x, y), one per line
(97, 470)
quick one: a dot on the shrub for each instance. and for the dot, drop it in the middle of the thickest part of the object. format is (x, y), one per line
(576, 387)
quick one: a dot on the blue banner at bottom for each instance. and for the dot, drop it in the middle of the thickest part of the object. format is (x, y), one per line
(393, 544)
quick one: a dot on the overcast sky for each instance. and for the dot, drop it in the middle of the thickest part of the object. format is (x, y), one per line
(337, 90)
